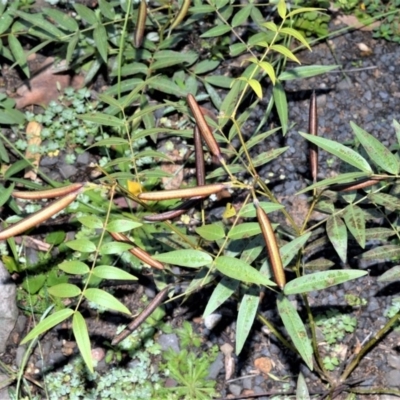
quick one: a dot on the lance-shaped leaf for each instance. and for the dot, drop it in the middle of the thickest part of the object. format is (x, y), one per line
(104, 299)
(337, 234)
(81, 335)
(386, 252)
(64, 290)
(301, 388)
(211, 232)
(110, 272)
(289, 250)
(355, 220)
(313, 130)
(391, 275)
(225, 288)
(388, 201)
(185, 258)
(295, 329)
(321, 280)
(339, 150)
(378, 153)
(280, 101)
(246, 315)
(238, 269)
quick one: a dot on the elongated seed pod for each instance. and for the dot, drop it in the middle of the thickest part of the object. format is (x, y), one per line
(203, 127)
(199, 155)
(142, 316)
(140, 24)
(181, 14)
(137, 252)
(198, 191)
(39, 216)
(272, 246)
(171, 214)
(347, 187)
(313, 130)
(48, 193)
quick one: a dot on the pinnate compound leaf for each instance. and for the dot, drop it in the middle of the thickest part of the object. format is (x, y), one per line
(339, 150)
(122, 225)
(321, 280)
(305, 72)
(244, 230)
(185, 258)
(240, 270)
(378, 153)
(74, 267)
(64, 290)
(337, 234)
(109, 272)
(211, 232)
(355, 220)
(246, 315)
(290, 250)
(225, 288)
(295, 329)
(81, 335)
(114, 248)
(82, 245)
(48, 323)
(280, 101)
(386, 252)
(391, 275)
(104, 299)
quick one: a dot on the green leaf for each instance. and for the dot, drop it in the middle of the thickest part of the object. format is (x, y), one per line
(85, 13)
(297, 35)
(107, 9)
(81, 335)
(388, 201)
(391, 275)
(280, 101)
(218, 30)
(238, 269)
(3, 153)
(18, 54)
(64, 290)
(11, 117)
(241, 16)
(169, 58)
(15, 168)
(100, 39)
(47, 324)
(74, 267)
(249, 211)
(321, 280)
(305, 72)
(386, 252)
(37, 20)
(269, 70)
(103, 119)
(71, 47)
(112, 141)
(91, 221)
(114, 248)
(290, 250)
(319, 263)
(201, 9)
(166, 85)
(344, 153)
(253, 249)
(245, 230)
(256, 86)
(105, 300)
(295, 329)
(246, 316)
(5, 194)
(337, 234)
(282, 9)
(32, 284)
(122, 225)
(211, 232)
(205, 66)
(109, 272)
(64, 20)
(301, 388)
(224, 82)
(185, 258)
(377, 152)
(355, 220)
(225, 288)
(82, 245)
(285, 51)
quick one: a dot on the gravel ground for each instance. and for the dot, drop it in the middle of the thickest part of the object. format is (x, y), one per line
(368, 93)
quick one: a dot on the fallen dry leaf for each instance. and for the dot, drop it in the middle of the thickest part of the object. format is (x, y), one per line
(46, 85)
(263, 364)
(34, 139)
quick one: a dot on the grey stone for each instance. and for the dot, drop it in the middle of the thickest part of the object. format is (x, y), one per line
(20, 355)
(83, 158)
(393, 378)
(68, 170)
(4, 391)
(216, 367)
(235, 389)
(169, 340)
(393, 361)
(8, 306)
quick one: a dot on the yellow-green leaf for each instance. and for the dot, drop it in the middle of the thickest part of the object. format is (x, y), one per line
(81, 334)
(105, 299)
(285, 51)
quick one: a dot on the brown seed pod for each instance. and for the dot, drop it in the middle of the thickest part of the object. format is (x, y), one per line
(142, 316)
(272, 246)
(140, 24)
(199, 191)
(347, 187)
(313, 130)
(47, 194)
(171, 214)
(199, 155)
(203, 127)
(137, 252)
(181, 14)
(39, 216)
